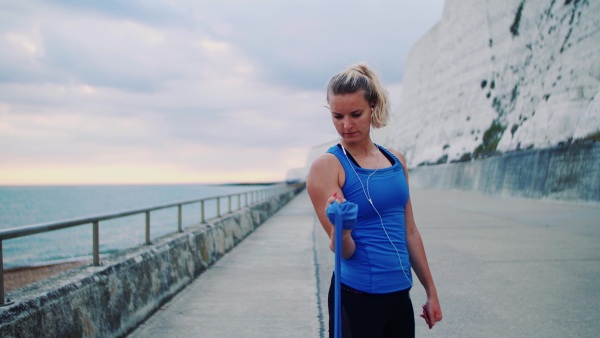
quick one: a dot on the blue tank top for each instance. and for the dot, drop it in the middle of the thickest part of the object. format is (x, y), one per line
(376, 266)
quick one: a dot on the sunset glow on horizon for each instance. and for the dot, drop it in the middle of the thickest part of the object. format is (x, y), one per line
(133, 175)
(185, 91)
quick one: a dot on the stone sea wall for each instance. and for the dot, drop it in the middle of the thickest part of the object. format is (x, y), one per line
(112, 299)
(561, 173)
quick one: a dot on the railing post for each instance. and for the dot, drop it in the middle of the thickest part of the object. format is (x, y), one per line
(96, 243)
(229, 204)
(1, 276)
(246, 198)
(179, 228)
(239, 198)
(202, 220)
(218, 206)
(148, 227)
(3, 301)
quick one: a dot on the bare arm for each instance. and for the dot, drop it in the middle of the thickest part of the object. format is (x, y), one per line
(418, 258)
(322, 183)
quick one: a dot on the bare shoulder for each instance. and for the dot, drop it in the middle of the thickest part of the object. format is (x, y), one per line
(323, 178)
(399, 155)
(323, 166)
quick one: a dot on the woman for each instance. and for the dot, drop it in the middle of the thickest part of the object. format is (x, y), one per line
(377, 255)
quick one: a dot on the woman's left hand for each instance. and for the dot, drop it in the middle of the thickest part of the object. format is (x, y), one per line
(432, 311)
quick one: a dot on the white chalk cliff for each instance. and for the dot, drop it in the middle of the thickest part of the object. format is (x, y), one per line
(500, 76)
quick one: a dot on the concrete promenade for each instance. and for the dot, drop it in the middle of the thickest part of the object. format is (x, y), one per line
(504, 267)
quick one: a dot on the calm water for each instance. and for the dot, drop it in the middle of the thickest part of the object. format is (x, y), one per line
(21, 206)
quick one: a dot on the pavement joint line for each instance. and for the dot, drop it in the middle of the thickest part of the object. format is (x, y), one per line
(318, 280)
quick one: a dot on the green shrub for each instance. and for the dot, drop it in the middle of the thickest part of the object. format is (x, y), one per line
(491, 138)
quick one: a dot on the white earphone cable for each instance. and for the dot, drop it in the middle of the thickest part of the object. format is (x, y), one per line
(368, 196)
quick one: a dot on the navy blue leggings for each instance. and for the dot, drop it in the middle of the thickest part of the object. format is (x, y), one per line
(366, 315)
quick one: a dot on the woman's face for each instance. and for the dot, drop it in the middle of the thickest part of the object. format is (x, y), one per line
(351, 116)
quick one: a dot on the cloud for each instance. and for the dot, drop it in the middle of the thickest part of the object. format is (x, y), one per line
(194, 90)
(149, 12)
(323, 38)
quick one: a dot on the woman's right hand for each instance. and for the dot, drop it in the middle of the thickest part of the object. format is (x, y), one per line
(348, 245)
(335, 197)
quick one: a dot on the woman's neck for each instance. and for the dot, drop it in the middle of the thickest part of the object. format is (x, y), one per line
(361, 150)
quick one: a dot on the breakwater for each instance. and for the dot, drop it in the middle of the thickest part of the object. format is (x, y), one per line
(110, 300)
(562, 173)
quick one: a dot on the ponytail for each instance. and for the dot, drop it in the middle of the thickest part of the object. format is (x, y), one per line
(360, 77)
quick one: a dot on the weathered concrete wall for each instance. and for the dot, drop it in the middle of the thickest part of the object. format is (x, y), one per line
(565, 173)
(112, 299)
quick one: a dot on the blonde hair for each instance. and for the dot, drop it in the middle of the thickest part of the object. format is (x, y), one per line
(360, 77)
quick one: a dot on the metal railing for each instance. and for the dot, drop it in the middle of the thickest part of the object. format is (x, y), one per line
(250, 198)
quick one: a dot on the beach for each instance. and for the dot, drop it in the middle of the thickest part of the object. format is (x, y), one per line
(19, 277)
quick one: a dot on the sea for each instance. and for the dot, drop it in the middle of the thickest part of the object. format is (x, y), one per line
(28, 205)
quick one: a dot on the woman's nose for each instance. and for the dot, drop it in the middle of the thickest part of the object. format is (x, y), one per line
(347, 123)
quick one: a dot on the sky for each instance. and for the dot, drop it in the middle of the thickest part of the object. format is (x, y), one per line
(184, 91)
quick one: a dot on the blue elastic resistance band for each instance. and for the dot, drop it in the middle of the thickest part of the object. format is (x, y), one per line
(343, 216)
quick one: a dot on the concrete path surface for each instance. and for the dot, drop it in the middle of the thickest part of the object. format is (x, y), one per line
(504, 267)
(264, 287)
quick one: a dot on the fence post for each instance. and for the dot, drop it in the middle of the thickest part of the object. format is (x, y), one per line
(1, 276)
(96, 243)
(218, 206)
(202, 220)
(148, 227)
(3, 301)
(179, 218)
